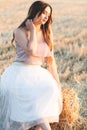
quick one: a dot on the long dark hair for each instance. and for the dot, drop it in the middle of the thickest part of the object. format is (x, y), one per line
(35, 8)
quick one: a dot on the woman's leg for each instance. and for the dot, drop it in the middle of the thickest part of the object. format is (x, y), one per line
(43, 126)
(38, 128)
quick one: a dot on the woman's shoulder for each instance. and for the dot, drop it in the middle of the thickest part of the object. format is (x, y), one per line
(19, 32)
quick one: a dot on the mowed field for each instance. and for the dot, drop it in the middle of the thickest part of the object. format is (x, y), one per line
(70, 41)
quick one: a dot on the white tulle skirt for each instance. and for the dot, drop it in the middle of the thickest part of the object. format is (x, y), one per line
(28, 95)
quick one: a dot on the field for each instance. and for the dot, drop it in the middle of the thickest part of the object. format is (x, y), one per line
(70, 42)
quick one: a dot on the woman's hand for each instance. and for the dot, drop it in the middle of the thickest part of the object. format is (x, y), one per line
(29, 25)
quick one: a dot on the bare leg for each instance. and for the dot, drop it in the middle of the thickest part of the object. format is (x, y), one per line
(43, 126)
(38, 128)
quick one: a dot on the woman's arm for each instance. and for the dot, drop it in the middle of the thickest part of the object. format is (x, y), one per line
(28, 45)
(52, 67)
(51, 63)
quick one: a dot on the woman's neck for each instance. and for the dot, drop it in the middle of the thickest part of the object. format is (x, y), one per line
(38, 28)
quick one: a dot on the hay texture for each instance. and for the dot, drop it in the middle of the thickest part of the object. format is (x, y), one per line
(71, 108)
(70, 111)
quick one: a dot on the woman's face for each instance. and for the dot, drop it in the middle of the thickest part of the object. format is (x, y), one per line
(43, 18)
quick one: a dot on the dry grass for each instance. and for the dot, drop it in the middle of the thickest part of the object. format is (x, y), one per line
(70, 38)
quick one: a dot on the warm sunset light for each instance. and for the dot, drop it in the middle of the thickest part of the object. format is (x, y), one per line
(70, 50)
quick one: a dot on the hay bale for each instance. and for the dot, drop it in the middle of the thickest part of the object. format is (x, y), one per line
(70, 105)
(71, 109)
(70, 112)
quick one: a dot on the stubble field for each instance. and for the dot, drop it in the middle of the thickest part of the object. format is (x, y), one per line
(70, 42)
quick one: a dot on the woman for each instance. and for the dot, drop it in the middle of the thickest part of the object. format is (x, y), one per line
(30, 95)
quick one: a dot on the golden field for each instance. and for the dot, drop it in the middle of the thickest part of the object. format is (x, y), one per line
(70, 44)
